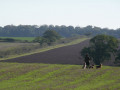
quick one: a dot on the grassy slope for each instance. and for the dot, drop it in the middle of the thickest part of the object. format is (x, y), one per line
(15, 76)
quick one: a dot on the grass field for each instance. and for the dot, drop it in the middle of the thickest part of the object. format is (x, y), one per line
(20, 76)
(21, 38)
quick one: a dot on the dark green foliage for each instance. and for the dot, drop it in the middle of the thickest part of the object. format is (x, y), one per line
(48, 37)
(118, 55)
(37, 39)
(7, 40)
(117, 59)
(43, 40)
(101, 48)
(65, 31)
(51, 35)
(17, 39)
(86, 50)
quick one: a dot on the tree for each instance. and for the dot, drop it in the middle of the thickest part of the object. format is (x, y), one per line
(37, 39)
(43, 40)
(117, 59)
(48, 37)
(51, 35)
(101, 48)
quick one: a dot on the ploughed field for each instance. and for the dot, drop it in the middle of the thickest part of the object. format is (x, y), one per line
(36, 76)
(63, 55)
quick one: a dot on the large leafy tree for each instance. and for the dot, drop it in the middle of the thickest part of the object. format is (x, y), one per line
(48, 37)
(118, 56)
(117, 59)
(101, 48)
(51, 35)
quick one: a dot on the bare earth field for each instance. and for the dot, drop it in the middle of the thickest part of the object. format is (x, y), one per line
(63, 55)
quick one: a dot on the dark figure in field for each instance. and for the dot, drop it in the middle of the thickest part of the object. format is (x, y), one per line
(87, 60)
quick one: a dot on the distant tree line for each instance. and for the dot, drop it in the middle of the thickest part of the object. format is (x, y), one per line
(65, 31)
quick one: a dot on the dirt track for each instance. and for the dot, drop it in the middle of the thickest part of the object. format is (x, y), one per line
(64, 55)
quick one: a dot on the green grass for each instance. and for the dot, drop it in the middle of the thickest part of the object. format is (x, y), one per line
(21, 38)
(20, 76)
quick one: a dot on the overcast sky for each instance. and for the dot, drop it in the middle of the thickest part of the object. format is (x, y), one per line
(101, 13)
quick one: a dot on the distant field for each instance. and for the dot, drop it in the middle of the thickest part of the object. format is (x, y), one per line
(20, 76)
(21, 38)
(9, 45)
(8, 49)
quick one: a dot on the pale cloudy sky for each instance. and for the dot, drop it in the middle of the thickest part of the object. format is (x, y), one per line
(101, 13)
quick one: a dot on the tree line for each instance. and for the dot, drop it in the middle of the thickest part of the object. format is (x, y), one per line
(65, 31)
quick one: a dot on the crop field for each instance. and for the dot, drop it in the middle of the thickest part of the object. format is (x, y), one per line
(21, 38)
(21, 76)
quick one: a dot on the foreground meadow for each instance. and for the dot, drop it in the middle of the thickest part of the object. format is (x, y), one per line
(21, 76)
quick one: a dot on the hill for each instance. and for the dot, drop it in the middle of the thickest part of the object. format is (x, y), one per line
(29, 76)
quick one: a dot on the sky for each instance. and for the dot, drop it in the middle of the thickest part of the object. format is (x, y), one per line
(100, 13)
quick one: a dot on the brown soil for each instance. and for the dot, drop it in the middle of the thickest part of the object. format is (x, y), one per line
(63, 55)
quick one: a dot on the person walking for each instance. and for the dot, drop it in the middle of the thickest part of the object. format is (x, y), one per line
(87, 60)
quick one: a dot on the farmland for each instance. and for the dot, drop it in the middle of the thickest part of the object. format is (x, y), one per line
(43, 70)
(54, 55)
(21, 76)
(21, 38)
(12, 50)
